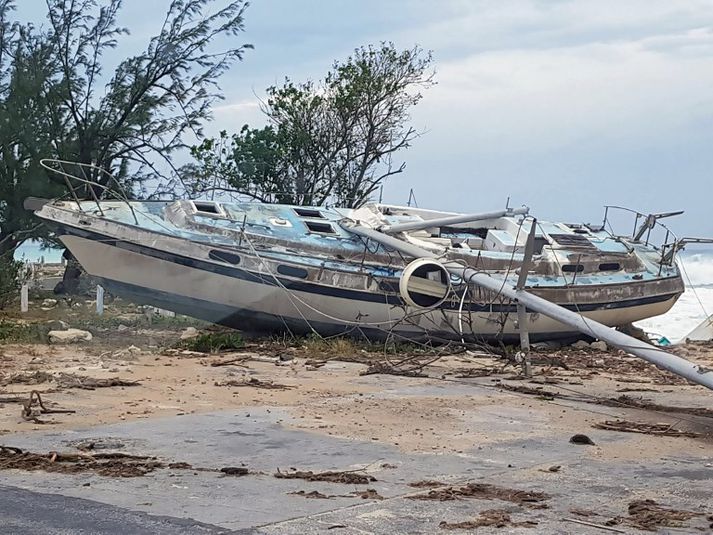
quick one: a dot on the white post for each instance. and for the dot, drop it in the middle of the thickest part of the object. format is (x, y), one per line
(100, 300)
(24, 297)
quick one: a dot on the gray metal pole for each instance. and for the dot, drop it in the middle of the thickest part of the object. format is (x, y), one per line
(668, 361)
(452, 220)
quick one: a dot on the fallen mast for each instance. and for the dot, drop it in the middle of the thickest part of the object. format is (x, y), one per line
(668, 361)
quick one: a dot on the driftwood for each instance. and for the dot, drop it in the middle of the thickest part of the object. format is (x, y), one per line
(626, 426)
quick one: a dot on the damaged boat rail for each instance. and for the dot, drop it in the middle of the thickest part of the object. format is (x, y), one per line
(668, 361)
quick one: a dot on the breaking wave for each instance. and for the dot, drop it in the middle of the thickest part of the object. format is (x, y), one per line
(694, 306)
(697, 268)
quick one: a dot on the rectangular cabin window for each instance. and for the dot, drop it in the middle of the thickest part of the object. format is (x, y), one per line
(211, 208)
(322, 228)
(307, 212)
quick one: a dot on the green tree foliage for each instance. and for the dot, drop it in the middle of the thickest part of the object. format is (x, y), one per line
(153, 98)
(56, 101)
(327, 141)
(27, 129)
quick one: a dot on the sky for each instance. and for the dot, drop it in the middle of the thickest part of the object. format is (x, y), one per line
(564, 106)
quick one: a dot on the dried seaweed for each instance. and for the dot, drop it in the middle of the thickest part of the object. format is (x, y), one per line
(497, 518)
(351, 478)
(427, 484)
(315, 495)
(368, 494)
(649, 515)
(103, 464)
(484, 491)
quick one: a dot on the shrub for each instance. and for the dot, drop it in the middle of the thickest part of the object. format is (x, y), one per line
(214, 342)
(9, 281)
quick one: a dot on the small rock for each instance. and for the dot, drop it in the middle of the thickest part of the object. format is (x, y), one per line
(284, 357)
(599, 345)
(581, 440)
(121, 328)
(581, 344)
(133, 349)
(49, 303)
(190, 332)
(70, 336)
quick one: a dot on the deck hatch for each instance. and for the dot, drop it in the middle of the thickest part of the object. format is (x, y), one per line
(210, 208)
(322, 228)
(307, 212)
(574, 241)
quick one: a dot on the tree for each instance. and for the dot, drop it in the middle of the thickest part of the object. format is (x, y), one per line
(55, 101)
(154, 98)
(331, 141)
(27, 127)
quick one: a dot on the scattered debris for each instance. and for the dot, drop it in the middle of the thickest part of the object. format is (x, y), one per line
(255, 383)
(484, 491)
(34, 378)
(31, 415)
(388, 369)
(497, 518)
(583, 512)
(641, 403)
(649, 515)
(350, 478)
(235, 471)
(314, 364)
(648, 429)
(582, 440)
(467, 373)
(70, 380)
(91, 444)
(229, 362)
(368, 494)
(427, 484)
(103, 464)
(311, 494)
(547, 395)
(593, 525)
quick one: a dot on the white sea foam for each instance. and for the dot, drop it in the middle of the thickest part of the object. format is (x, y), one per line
(694, 306)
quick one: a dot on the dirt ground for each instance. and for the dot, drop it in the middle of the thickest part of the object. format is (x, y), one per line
(320, 392)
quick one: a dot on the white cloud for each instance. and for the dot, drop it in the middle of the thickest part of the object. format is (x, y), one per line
(533, 99)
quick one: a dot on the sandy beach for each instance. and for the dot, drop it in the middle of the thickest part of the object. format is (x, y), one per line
(137, 372)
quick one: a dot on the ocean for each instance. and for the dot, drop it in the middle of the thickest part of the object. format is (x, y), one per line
(32, 251)
(696, 303)
(694, 306)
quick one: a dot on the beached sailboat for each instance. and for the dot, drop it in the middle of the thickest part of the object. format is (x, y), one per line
(261, 267)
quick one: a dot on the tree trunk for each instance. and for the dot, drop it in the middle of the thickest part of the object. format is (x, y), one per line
(69, 285)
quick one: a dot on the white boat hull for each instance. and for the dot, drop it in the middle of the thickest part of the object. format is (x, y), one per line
(250, 305)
